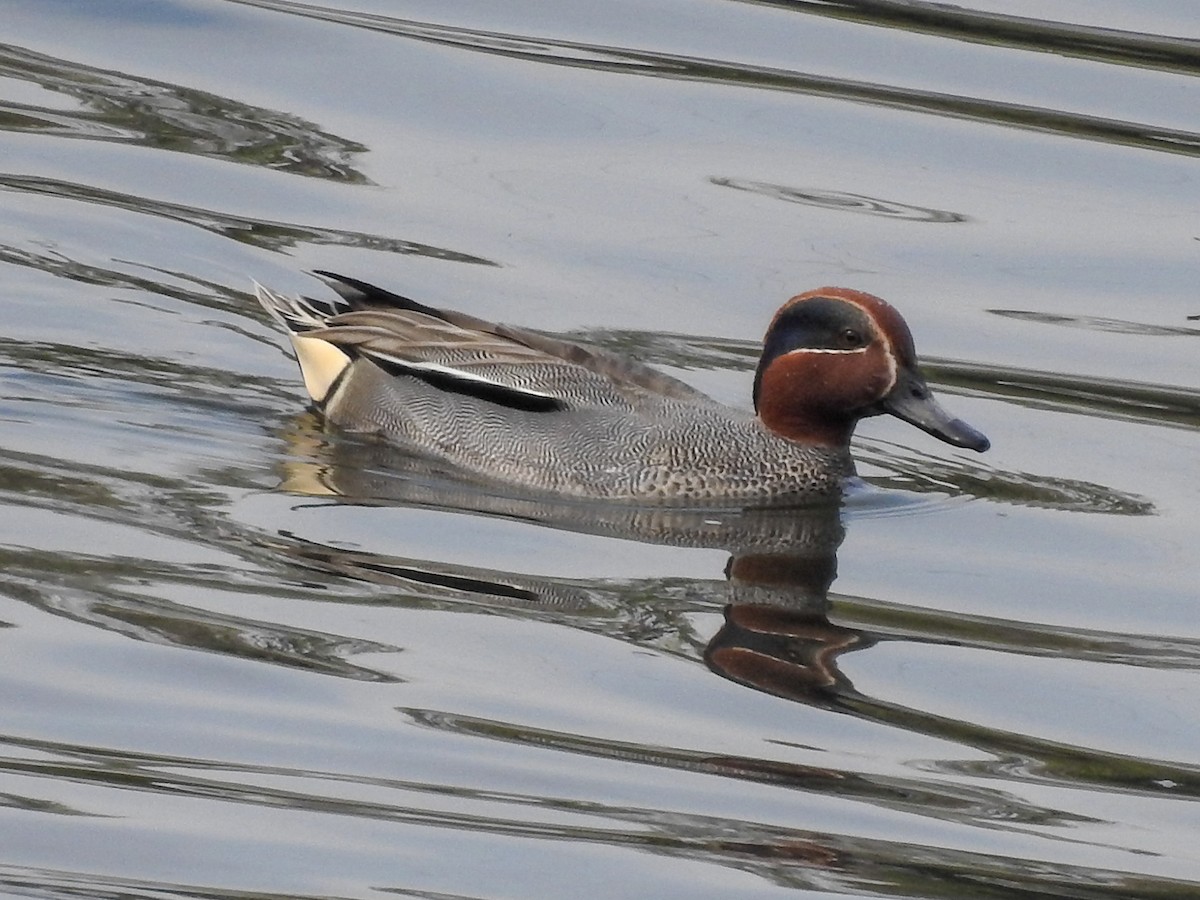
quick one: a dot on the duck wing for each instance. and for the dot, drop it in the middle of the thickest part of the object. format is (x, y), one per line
(458, 352)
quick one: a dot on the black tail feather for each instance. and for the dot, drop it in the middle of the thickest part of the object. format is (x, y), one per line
(361, 295)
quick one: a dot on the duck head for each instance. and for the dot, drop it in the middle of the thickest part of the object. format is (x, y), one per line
(833, 356)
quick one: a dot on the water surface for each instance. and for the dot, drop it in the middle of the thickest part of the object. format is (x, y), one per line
(247, 657)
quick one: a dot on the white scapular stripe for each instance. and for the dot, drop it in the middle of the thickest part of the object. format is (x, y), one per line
(457, 374)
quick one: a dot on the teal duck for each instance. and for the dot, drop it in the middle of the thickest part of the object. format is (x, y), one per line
(518, 406)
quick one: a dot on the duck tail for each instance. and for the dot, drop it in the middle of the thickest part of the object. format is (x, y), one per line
(299, 314)
(321, 363)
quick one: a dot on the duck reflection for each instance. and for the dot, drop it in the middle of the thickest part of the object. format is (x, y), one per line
(787, 652)
(776, 635)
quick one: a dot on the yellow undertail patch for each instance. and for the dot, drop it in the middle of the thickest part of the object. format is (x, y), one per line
(320, 364)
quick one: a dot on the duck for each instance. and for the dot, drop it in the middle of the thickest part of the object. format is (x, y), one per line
(511, 405)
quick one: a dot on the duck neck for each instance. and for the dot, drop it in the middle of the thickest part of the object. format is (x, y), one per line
(803, 398)
(808, 427)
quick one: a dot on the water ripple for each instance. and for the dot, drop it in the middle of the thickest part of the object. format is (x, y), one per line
(121, 107)
(743, 75)
(843, 201)
(257, 232)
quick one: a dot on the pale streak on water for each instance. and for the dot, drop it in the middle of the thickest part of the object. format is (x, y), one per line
(243, 657)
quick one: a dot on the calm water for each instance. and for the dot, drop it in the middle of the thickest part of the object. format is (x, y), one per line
(243, 657)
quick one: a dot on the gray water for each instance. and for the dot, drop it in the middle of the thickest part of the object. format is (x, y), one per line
(244, 656)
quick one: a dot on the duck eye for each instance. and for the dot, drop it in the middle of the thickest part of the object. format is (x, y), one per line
(850, 339)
